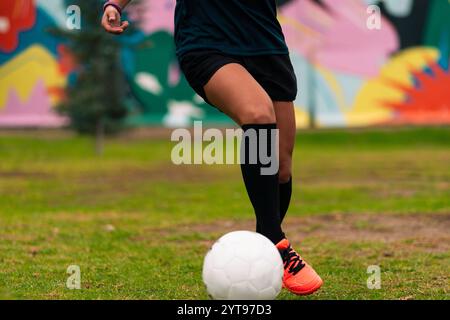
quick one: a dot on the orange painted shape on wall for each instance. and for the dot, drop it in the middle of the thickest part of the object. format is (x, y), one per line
(67, 61)
(427, 102)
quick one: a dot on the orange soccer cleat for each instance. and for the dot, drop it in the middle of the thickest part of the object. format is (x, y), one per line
(299, 277)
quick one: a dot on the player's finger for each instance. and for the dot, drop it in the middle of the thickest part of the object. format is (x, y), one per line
(112, 17)
(111, 29)
(124, 25)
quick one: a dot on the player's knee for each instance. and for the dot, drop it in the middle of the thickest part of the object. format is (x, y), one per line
(259, 113)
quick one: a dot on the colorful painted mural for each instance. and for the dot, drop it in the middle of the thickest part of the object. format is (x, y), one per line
(33, 65)
(355, 76)
(349, 74)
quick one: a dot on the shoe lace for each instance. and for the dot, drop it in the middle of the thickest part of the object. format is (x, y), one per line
(292, 260)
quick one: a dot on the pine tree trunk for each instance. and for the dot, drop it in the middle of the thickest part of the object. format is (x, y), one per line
(100, 137)
(311, 87)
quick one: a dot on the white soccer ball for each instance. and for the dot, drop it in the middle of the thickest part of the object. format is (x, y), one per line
(243, 265)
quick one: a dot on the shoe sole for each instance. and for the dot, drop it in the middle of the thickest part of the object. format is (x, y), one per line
(308, 292)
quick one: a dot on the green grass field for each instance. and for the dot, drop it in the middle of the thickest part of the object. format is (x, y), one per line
(139, 226)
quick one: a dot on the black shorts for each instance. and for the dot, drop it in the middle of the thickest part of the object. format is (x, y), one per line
(273, 72)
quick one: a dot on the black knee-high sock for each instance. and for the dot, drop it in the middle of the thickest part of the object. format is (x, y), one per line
(262, 189)
(285, 198)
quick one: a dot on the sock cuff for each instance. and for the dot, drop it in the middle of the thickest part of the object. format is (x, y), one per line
(258, 126)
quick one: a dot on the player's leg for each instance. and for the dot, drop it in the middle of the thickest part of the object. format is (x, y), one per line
(300, 278)
(285, 115)
(236, 93)
(277, 77)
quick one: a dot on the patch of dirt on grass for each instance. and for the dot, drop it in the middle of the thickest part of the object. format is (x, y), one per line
(129, 177)
(23, 175)
(94, 188)
(428, 233)
(170, 172)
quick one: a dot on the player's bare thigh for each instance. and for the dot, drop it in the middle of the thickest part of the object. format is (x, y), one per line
(234, 91)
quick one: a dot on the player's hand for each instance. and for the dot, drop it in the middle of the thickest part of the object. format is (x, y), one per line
(112, 21)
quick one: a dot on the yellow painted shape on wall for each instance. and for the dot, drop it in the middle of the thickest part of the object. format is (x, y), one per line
(22, 73)
(301, 117)
(370, 104)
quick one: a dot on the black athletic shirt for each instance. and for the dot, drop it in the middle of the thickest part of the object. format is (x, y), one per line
(237, 27)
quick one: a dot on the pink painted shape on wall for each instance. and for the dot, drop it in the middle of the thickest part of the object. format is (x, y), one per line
(35, 112)
(154, 15)
(337, 36)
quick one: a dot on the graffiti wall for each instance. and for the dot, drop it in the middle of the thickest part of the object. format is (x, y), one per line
(353, 75)
(33, 70)
(359, 63)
